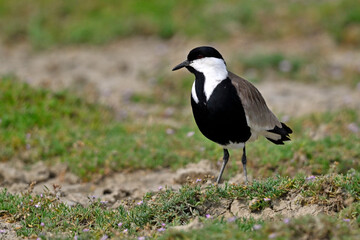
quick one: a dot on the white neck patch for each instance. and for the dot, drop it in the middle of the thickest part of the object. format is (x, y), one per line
(214, 70)
(193, 93)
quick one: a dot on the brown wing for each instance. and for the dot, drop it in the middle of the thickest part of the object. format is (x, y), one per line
(258, 115)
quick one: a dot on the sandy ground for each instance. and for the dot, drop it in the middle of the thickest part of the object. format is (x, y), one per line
(110, 74)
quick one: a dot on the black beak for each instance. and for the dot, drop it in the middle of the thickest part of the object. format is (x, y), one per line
(181, 65)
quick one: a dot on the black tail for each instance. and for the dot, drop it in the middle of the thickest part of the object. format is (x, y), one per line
(284, 132)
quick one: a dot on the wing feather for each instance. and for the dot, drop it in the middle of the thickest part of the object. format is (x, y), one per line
(258, 115)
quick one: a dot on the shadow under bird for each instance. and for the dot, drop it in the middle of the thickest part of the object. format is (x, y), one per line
(228, 109)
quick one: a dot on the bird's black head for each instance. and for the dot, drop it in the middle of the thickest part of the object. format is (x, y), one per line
(204, 51)
(199, 53)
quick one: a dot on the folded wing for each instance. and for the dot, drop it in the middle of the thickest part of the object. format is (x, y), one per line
(259, 117)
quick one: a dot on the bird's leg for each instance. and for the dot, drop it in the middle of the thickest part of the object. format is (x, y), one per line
(225, 160)
(243, 160)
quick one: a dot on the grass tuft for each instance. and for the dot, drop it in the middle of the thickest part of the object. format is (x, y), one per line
(41, 214)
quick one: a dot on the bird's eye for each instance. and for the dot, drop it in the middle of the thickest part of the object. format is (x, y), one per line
(200, 56)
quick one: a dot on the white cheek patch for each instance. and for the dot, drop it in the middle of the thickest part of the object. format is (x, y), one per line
(214, 70)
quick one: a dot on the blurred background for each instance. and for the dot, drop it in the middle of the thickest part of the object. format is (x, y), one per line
(130, 110)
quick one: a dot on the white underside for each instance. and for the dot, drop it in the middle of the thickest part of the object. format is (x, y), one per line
(234, 145)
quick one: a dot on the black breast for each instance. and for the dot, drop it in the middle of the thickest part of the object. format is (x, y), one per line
(222, 118)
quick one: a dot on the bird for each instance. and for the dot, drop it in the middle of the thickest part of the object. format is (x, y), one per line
(228, 109)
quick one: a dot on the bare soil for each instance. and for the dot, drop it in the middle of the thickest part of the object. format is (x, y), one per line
(132, 186)
(110, 74)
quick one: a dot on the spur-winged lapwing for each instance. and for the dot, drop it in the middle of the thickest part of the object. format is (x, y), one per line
(228, 109)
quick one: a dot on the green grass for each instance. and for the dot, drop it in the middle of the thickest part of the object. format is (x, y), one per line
(40, 125)
(46, 23)
(261, 65)
(263, 61)
(321, 227)
(308, 67)
(168, 208)
(37, 124)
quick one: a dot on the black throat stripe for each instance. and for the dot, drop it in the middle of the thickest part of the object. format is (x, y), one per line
(222, 118)
(199, 85)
